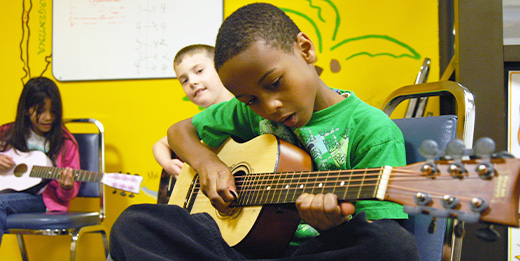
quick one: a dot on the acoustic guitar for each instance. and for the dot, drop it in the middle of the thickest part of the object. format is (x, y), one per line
(270, 174)
(34, 166)
(166, 183)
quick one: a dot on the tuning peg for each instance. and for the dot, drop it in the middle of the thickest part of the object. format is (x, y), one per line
(484, 147)
(504, 155)
(456, 148)
(429, 149)
(432, 226)
(458, 230)
(115, 191)
(122, 193)
(488, 233)
(131, 195)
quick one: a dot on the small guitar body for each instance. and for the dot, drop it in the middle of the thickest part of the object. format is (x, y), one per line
(34, 166)
(17, 178)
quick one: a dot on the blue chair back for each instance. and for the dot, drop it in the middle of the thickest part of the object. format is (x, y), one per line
(89, 160)
(441, 129)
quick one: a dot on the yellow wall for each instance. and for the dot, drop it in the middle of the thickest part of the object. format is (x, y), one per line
(136, 113)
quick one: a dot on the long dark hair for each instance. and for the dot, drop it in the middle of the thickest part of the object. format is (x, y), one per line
(34, 94)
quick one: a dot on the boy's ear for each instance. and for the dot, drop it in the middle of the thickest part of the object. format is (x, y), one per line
(306, 47)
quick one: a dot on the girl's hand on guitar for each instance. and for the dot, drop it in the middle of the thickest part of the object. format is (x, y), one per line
(323, 212)
(218, 184)
(6, 162)
(173, 168)
(66, 179)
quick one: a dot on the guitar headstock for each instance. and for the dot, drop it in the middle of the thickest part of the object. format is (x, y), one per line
(471, 190)
(126, 182)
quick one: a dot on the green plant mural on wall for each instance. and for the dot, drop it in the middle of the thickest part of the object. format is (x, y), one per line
(345, 49)
(319, 6)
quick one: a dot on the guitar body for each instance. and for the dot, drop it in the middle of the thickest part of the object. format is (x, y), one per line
(166, 183)
(257, 231)
(17, 178)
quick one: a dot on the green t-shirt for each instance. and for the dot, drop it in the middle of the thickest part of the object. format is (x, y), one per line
(348, 135)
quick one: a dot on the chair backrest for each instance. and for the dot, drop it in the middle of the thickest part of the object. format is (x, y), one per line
(89, 160)
(442, 244)
(441, 129)
(91, 150)
(463, 98)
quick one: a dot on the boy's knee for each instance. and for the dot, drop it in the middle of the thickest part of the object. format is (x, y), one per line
(398, 242)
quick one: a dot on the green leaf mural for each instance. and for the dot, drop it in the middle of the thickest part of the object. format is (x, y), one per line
(352, 47)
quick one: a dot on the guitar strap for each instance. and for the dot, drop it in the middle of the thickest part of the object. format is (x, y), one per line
(38, 189)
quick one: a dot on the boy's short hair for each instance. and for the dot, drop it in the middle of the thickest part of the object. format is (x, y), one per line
(193, 49)
(250, 23)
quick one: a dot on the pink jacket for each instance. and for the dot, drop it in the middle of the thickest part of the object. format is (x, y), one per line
(54, 197)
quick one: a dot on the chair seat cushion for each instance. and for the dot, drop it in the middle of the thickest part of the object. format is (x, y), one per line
(52, 220)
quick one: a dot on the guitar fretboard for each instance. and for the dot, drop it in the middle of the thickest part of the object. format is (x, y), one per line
(286, 187)
(54, 173)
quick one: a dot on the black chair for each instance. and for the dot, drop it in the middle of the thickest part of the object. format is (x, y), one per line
(442, 244)
(74, 224)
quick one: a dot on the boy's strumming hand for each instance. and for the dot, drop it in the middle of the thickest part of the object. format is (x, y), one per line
(323, 212)
(216, 180)
(218, 184)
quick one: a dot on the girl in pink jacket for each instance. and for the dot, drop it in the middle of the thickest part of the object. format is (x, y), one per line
(39, 126)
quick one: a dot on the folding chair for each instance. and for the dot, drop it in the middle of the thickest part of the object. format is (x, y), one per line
(74, 224)
(442, 244)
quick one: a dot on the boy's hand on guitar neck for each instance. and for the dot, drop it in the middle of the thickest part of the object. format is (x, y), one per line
(6, 162)
(322, 211)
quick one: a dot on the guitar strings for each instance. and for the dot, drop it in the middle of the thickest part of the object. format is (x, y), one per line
(256, 190)
(54, 173)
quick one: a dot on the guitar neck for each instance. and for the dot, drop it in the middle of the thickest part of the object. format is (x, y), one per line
(54, 173)
(286, 187)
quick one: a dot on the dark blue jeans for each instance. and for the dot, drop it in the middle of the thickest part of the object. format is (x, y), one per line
(11, 203)
(166, 232)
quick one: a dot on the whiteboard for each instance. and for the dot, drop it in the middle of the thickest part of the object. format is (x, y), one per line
(127, 39)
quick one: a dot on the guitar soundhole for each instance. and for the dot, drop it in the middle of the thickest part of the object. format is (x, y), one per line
(239, 172)
(19, 170)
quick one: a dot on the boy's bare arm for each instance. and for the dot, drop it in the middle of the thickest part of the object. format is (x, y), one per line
(163, 156)
(215, 178)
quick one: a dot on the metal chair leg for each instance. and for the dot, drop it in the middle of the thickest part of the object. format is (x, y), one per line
(23, 249)
(76, 235)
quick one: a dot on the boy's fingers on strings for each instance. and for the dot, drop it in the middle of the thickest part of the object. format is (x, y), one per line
(333, 210)
(226, 188)
(347, 209)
